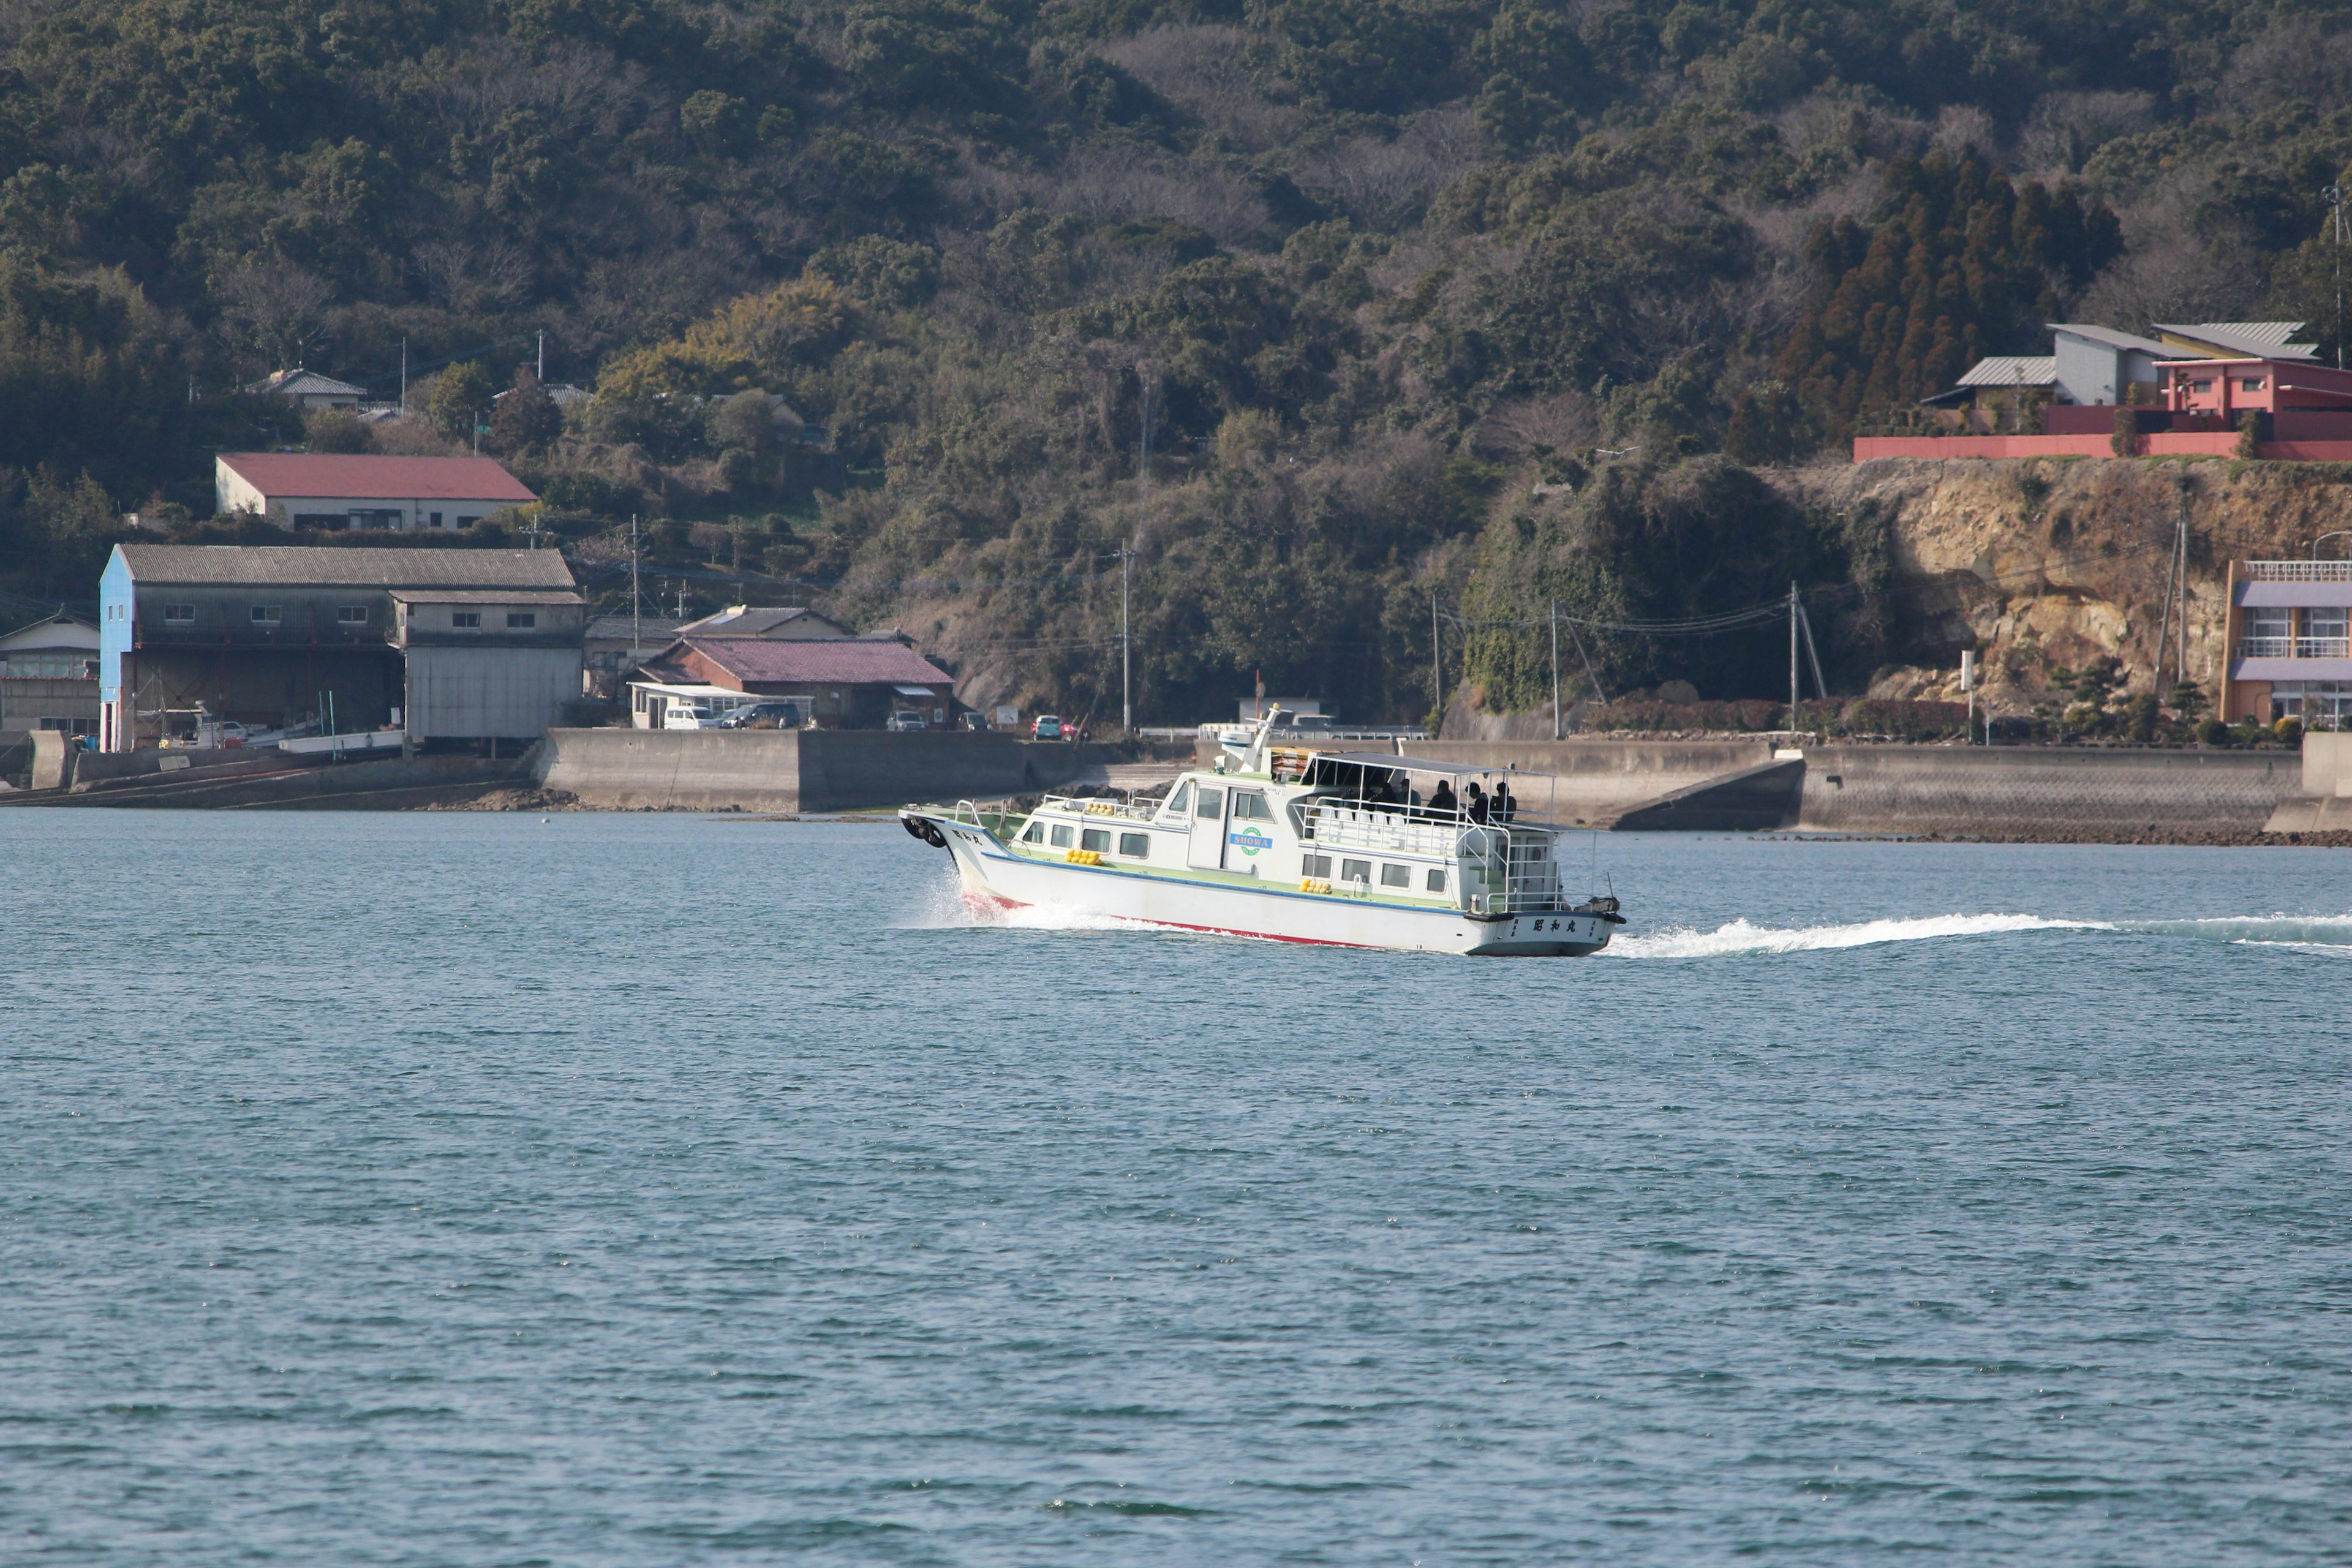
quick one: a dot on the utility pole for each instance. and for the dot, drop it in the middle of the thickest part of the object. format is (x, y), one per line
(1126, 688)
(637, 600)
(404, 378)
(2334, 197)
(1793, 725)
(542, 357)
(1555, 670)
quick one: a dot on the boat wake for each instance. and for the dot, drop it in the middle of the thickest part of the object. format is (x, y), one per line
(1740, 937)
(2329, 935)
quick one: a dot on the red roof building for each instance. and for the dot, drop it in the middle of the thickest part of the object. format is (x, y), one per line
(316, 489)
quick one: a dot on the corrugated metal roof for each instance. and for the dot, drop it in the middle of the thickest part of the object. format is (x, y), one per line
(749, 621)
(850, 662)
(325, 566)
(300, 383)
(366, 477)
(2110, 337)
(2273, 332)
(2012, 370)
(2254, 340)
(485, 597)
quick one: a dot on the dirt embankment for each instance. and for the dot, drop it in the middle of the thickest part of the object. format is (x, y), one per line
(2044, 562)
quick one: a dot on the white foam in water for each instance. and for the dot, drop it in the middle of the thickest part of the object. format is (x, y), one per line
(944, 907)
(1741, 937)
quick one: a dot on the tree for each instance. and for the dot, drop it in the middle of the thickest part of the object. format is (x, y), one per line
(526, 418)
(459, 396)
(335, 430)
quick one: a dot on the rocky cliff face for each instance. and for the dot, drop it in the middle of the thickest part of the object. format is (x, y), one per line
(2039, 563)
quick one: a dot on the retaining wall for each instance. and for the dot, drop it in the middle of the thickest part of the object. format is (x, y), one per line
(2040, 789)
(799, 770)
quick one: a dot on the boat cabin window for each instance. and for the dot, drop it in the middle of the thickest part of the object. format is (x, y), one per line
(1137, 846)
(1250, 806)
(1181, 801)
(1095, 838)
(1437, 881)
(1356, 871)
(1212, 802)
(1396, 876)
(1034, 835)
(1062, 835)
(1315, 866)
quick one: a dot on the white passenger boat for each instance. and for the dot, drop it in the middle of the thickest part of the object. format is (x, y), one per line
(1294, 843)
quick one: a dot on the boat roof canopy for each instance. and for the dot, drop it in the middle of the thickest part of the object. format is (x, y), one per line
(1421, 765)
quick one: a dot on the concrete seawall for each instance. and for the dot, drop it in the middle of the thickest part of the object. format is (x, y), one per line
(2039, 790)
(798, 770)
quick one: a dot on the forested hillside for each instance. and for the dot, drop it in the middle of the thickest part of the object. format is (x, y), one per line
(1486, 300)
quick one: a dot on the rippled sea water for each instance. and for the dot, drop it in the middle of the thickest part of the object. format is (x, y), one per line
(636, 1190)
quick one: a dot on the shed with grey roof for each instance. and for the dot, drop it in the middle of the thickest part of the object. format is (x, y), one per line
(448, 646)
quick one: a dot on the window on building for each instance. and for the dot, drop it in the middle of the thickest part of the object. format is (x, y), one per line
(265, 615)
(351, 615)
(465, 617)
(521, 619)
(1135, 845)
(1061, 840)
(179, 615)
(437, 520)
(1212, 802)
(1396, 876)
(1437, 881)
(2200, 386)
(1097, 839)
(2251, 384)
(467, 521)
(1316, 865)
(1356, 871)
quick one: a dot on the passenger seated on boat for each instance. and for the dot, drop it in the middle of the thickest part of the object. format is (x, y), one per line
(1479, 807)
(1442, 801)
(1506, 807)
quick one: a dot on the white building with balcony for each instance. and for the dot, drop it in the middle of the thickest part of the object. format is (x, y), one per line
(2290, 643)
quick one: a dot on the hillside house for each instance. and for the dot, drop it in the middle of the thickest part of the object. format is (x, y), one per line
(299, 490)
(306, 389)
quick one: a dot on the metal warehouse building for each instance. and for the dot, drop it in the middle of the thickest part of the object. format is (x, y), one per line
(447, 644)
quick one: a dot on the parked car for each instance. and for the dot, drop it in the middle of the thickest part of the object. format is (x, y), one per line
(763, 716)
(1046, 728)
(974, 722)
(905, 720)
(676, 715)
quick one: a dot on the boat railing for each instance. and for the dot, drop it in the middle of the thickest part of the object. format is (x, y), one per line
(1086, 805)
(1509, 871)
(1408, 830)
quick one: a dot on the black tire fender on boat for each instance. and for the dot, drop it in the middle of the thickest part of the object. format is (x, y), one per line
(915, 825)
(933, 836)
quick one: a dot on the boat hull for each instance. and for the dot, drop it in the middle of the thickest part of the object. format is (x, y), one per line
(994, 878)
